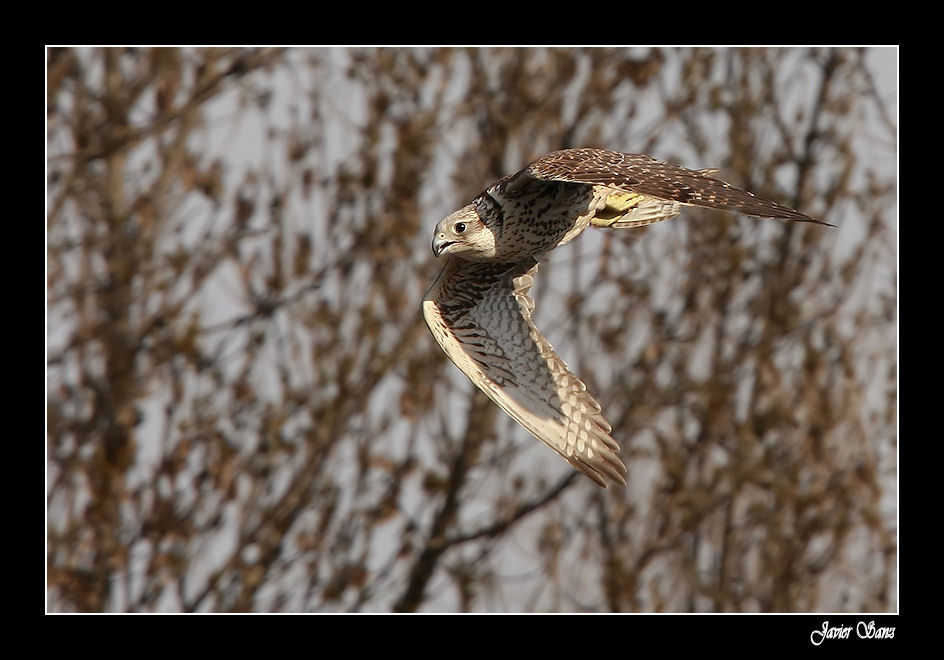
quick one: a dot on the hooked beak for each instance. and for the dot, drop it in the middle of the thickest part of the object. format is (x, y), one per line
(440, 243)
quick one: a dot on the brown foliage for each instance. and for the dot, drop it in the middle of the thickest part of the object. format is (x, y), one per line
(245, 411)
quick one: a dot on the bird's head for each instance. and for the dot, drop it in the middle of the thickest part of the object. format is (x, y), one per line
(464, 234)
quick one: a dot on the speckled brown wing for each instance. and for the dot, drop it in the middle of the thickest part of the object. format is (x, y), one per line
(637, 173)
(480, 314)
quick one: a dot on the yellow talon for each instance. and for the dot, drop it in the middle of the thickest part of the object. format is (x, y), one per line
(622, 202)
(617, 206)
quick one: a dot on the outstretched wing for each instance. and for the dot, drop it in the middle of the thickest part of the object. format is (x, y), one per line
(480, 314)
(650, 178)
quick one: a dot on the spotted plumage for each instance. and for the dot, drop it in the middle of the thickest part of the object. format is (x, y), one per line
(479, 309)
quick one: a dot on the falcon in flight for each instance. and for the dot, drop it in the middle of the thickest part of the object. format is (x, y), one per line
(479, 311)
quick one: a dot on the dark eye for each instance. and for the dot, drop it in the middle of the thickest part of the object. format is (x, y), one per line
(460, 227)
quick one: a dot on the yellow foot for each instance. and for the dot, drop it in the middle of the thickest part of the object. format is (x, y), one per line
(622, 201)
(617, 206)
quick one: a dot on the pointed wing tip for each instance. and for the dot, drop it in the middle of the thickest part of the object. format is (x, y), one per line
(599, 472)
(617, 482)
(802, 217)
(783, 213)
(619, 479)
(600, 481)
